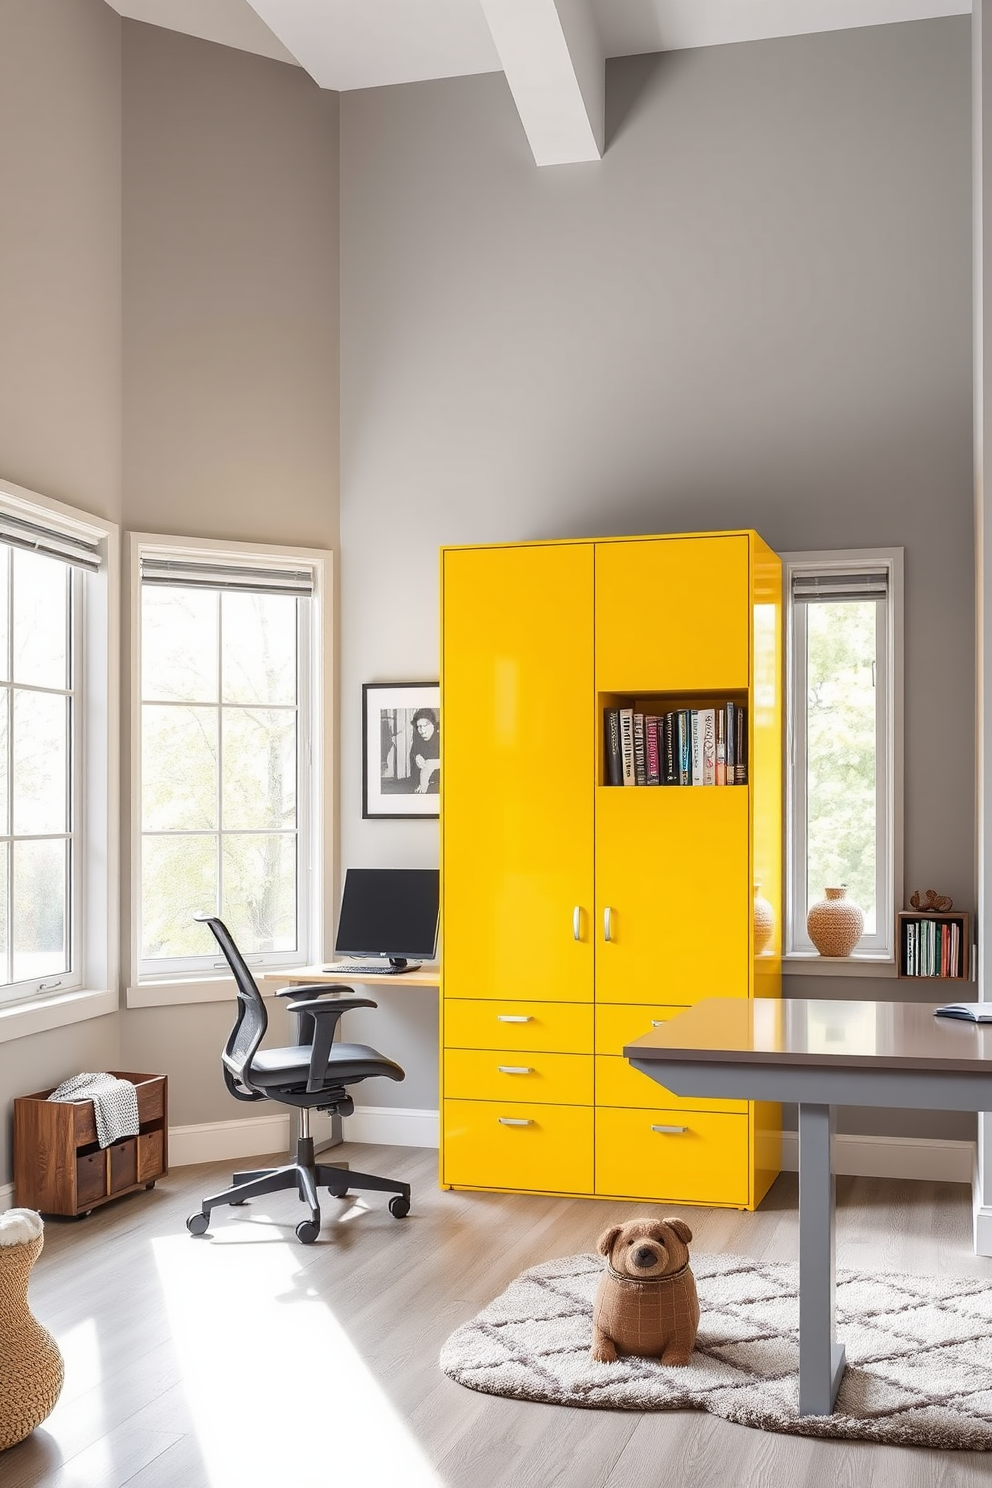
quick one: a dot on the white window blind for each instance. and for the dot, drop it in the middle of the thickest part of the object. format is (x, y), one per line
(66, 543)
(236, 577)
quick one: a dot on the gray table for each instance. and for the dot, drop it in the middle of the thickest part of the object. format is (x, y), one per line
(820, 1055)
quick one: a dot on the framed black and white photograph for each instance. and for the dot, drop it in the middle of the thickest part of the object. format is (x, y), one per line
(401, 749)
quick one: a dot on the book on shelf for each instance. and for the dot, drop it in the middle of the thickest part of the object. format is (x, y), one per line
(683, 746)
(627, 744)
(975, 1012)
(932, 948)
(640, 757)
(652, 749)
(614, 760)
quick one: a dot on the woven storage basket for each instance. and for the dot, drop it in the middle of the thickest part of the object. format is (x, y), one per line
(31, 1369)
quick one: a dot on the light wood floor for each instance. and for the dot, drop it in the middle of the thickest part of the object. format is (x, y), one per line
(249, 1359)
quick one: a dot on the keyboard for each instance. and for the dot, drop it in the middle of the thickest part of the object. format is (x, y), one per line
(364, 969)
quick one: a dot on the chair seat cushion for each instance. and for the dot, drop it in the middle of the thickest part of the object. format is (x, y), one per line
(346, 1064)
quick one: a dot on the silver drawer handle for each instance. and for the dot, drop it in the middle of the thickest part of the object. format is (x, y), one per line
(675, 1131)
(512, 1018)
(514, 1069)
(607, 923)
(577, 922)
(514, 1121)
(658, 1022)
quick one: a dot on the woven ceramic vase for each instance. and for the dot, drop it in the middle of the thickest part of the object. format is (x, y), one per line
(31, 1369)
(764, 921)
(835, 924)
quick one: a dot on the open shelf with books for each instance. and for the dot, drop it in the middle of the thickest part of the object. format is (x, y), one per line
(674, 741)
(934, 945)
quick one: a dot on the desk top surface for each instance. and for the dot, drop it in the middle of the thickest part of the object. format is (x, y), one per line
(824, 1034)
(428, 976)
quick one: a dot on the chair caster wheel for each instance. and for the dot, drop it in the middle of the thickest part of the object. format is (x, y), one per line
(335, 1195)
(307, 1231)
(399, 1207)
(237, 1203)
(197, 1224)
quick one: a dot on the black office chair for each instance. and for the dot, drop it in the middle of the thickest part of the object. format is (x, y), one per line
(310, 1076)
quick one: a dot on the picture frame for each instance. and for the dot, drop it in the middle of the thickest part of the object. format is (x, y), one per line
(401, 760)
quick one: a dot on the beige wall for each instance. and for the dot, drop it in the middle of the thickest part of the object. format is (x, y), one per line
(230, 293)
(755, 312)
(60, 369)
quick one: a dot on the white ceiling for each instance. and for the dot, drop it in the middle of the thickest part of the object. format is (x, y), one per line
(550, 50)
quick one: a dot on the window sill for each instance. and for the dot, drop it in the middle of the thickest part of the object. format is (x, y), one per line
(849, 966)
(40, 1014)
(175, 993)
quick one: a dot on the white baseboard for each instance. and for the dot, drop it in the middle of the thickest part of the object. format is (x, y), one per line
(940, 1161)
(393, 1126)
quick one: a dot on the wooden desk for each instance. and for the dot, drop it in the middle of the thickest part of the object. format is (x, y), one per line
(820, 1055)
(428, 976)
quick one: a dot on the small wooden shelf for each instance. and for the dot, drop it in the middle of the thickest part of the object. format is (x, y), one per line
(59, 1167)
(910, 917)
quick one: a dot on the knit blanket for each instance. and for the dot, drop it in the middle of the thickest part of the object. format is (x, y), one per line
(115, 1104)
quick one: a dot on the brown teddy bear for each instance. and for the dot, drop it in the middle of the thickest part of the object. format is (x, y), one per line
(646, 1302)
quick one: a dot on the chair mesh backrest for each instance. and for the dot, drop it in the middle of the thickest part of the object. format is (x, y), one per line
(252, 1020)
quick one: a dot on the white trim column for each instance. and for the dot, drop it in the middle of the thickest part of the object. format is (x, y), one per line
(982, 167)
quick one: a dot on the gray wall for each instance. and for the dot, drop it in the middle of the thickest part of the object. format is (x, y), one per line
(755, 312)
(60, 369)
(230, 234)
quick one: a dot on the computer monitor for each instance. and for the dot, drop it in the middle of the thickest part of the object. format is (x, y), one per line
(389, 913)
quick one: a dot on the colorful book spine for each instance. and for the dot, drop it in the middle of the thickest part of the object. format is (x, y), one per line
(614, 760)
(684, 747)
(652, 749)
(627, 744)
(696, 747)
(721, 746)
(640, 757)
(669, 750)
(707, 727)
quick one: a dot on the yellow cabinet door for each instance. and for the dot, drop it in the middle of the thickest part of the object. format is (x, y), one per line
(565, 1027)
(672, 894)
(688, 1157)
(517, 772)
(499, 1144)
(673, 614)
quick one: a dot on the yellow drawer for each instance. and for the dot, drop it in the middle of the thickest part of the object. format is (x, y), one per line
(505, 1074)
(499, 1144)
(619, 1084)
(562, 1027)
(704, 1161)
(617, 1023)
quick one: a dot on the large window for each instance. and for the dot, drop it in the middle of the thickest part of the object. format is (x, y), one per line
(844, 766)
(225, 761)
(56, 756)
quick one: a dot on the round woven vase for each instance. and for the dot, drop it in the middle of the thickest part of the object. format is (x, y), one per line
(835, 924)
(31, 1369)
(764, 922)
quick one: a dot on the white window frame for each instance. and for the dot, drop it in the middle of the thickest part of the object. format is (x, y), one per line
(208, 980)
(90, 989)
(876, 956)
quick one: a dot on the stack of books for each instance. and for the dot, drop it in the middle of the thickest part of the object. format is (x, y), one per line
(932, 948)
(688, 746)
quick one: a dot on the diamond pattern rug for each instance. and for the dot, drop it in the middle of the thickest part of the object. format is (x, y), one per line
(919, 1351)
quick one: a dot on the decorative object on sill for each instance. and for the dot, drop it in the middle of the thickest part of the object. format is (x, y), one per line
(31, 1368)
(764, 922)
(932, 902)
(835, 924)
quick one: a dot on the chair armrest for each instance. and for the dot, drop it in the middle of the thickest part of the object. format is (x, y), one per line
(314, 989)
(323, 1018)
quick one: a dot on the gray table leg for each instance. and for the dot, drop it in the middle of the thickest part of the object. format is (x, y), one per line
(821, 1357)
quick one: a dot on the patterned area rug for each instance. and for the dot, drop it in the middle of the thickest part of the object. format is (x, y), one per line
(919, 1352)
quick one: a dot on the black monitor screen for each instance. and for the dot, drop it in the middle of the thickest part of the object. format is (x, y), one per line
(389, 912)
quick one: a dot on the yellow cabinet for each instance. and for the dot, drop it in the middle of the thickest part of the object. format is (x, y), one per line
(576, 913)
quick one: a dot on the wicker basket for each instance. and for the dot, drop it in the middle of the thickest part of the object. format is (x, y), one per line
(31, 1368)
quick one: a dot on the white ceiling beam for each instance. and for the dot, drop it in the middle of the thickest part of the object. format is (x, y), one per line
(554, 63)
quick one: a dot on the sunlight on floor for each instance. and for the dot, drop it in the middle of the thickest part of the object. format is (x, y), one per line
(276, 1390)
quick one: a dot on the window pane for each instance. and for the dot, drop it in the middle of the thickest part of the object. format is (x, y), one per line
(259, 648)
(41, 620)
(840, 755)
(4, 935)
(40, 908)
(179, 645)
(41, 756)
(178, 769)
(5, 557)
(4, 782)
(178, 880)
(259, 768)
(260, 891)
